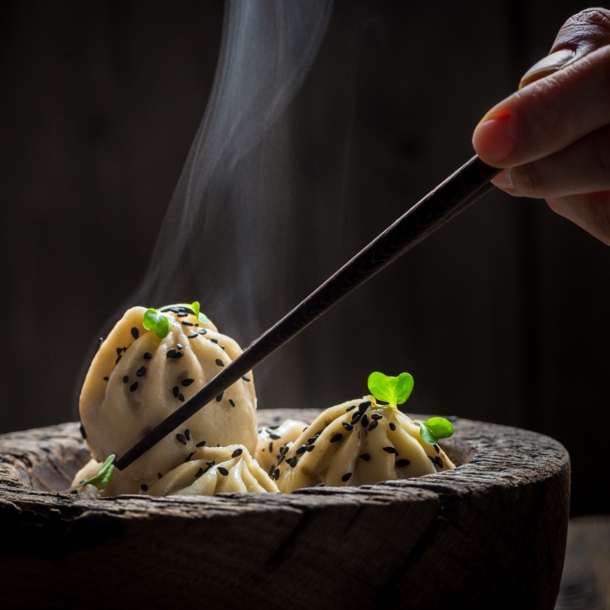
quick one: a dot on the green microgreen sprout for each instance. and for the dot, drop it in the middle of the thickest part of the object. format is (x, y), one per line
(102, 478)
(434, 428)
(157, 322)
(393, 390)
(196, 307)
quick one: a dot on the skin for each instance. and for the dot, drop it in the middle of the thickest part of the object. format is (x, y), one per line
(553, 135)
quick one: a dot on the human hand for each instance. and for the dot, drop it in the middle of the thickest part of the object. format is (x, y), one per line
(553, 134)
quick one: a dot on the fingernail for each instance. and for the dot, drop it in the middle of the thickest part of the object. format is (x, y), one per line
(548, 65)
(504, 181)
(496, 137)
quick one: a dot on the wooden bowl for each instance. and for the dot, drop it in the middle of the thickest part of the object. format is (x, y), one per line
(490, 534)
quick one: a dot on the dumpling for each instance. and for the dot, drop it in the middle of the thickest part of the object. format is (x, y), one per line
(215, 470)
(137, 379)
(358, 443)
(274, 441)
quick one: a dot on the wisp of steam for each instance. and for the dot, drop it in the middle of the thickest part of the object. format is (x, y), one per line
(225, 240)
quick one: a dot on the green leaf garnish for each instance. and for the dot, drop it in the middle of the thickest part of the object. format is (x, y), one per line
(196, 307)
(102, 478)
(393, 390)
(156, 321)
(434, 428)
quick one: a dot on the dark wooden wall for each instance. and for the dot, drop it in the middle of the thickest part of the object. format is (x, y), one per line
(501, 316)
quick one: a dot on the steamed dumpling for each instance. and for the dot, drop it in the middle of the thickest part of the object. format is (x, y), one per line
(215, 470)
(272, 442)
(137, 379)
(358, 443)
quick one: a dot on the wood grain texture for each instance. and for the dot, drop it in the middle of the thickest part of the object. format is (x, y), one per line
(489, 534)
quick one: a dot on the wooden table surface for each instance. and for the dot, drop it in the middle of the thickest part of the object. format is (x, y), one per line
(585, 584)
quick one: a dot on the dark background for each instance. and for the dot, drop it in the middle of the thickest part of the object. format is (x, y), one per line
(501, 316)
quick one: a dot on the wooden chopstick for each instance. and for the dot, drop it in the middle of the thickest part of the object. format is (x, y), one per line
(447, 200)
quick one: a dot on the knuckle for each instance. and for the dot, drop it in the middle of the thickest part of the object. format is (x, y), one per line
(530, 181)
(586, 30)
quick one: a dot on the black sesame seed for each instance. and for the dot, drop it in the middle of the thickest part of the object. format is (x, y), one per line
(199, 473)
(237, 452)
(283, 449)
(203, 331)
(171, 353)
(364, 421)
(402, 463)
(133, 387)
(350, 408)
(178, 355)
(200, 444)
(336, 438)
(356, 416)
(292, 461)
(187, 323)
(231, 402)
(346, 477)
(125, 379)
(82, 431)
(175, 391)
(182, 314)
(181, 439)
(214, 340)
(179, 345)
(245, 378)
(276, 474)
(275, 427)
(135, 333)
(310, 448)
(439, 461)
(222, 346)
(274, 436)
(280, 459)
(118, 351)
(147, 356)
(141, 371)
(211, 463)
(185, 383)
(302, 449)
(363, 406)
(392, 427)
(436, 448)
(366, 457)
(270, 447)
(159, 475)
(390, 450)
(376, 416)
(431, 459)
(223, 471)
(219, 397)
(118, 360)
(187, 434)
(144, 487)
(219, 362)
(348, 426)
(311, 440)
(373, 425)
(193, 336)
(189, 456)
(181, 397)
(106, 378)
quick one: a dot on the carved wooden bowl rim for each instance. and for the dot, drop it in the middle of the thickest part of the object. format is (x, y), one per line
(489, 456)
(489, 534)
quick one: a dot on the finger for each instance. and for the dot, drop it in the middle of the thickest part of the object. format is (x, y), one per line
(581, 34)
(590, 212)
(582, 167)
(547, 115)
